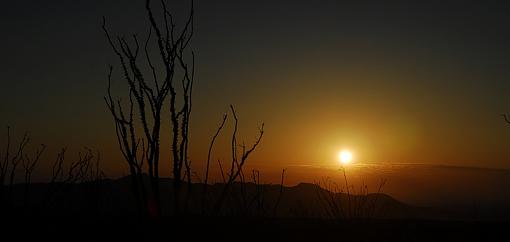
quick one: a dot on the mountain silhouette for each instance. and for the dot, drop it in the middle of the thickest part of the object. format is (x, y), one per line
(114, 197)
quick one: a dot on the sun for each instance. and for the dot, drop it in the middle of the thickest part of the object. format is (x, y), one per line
(345, 157)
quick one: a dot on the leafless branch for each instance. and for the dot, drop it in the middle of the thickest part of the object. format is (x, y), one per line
(147, 100)
(29, 163)
(236, 166)
(275, 209)
(506, 118)
(57, 169)
(18, 157)
(211, 147)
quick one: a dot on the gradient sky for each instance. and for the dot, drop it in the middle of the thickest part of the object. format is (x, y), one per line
(395, 82)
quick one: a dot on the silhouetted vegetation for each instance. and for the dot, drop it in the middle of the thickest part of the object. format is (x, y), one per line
(140, 141)
(79, 194)
(139, 137)
(157, 73)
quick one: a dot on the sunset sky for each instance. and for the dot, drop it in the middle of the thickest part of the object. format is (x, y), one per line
(395, 82)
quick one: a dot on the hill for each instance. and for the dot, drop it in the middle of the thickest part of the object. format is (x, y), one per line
(114, 198)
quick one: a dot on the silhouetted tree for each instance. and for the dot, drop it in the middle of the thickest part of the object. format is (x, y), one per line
(147, 100)
(28, 163)
(278, 200)
(237, 163)
(9, 163)
(83, 174)
(85, 168)
(57, 173)
(206, 179)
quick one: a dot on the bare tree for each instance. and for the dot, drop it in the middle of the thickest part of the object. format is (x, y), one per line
(275, 208)
(147, 100)
(327, 194)
(28, 163)
(83, 173)
(84, 169)
(18, 157)
(57, 168)
(237, 163)
(372, 211)
(206, 179)
(11, 161)
(57, 178)
(129, 145)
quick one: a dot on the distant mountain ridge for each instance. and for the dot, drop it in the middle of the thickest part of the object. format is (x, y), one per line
(114, 197)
